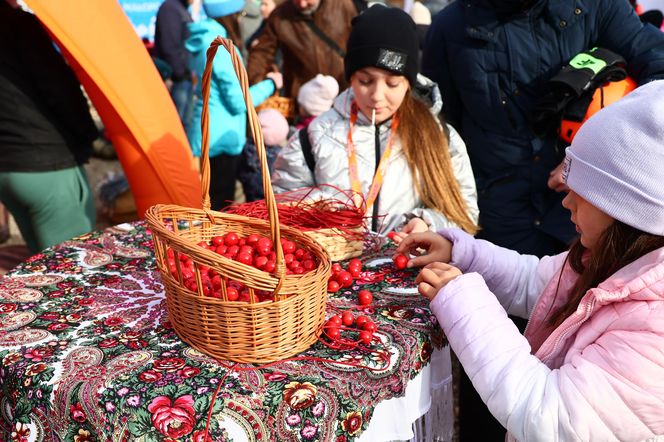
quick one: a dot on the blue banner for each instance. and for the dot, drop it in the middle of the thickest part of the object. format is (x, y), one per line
(143, 15)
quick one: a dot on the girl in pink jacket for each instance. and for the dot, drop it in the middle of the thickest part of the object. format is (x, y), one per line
(591, 363)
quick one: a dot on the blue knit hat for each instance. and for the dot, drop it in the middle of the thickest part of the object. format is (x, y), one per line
(222, 8)
(616, 161)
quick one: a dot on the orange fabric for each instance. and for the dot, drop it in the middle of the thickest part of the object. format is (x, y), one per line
(140, 119)
(602, 97)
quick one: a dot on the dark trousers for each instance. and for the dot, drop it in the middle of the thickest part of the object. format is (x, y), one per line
(250, 173)
(223, 173)
(476, 423)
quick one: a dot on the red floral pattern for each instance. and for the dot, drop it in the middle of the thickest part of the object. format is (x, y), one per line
(299, 395)
(173, 419)
(7, 308)
(352, 424)
(95, 357)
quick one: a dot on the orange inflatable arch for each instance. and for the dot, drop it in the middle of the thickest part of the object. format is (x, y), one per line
(116, 71)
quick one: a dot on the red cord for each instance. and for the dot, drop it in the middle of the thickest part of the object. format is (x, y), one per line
(214, 397)
(296, 210)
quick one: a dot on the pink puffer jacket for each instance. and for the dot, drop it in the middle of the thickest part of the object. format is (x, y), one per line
(598, 376)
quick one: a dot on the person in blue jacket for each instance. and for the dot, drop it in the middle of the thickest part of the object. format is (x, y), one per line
(228, 112)
(491, 59)
(170, 54)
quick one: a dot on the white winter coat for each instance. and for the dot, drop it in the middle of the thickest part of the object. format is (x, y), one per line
(398, 200)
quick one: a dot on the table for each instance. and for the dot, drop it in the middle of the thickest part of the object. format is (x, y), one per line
(88, 354)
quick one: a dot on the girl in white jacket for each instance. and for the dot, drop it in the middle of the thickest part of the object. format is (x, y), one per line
(381, 141)
(591, 364)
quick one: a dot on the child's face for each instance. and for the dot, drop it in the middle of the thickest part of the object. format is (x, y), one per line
(378, 89)
(590, 221)
(266, 7)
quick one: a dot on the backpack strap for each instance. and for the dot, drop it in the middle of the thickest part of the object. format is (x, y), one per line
(325, 38)
(305, 144)
(588, 70)
(568, 94)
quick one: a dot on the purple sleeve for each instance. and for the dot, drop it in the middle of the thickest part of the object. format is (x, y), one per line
(515, 279)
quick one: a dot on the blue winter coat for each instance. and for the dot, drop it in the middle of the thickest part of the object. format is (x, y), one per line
(169, 36)
(490, 74)
(228, 112)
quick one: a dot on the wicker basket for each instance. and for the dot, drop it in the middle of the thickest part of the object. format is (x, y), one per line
(337, 244)
(285, 105)
(255, 332)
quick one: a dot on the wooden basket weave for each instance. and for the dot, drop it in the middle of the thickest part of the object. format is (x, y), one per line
(255, 332)
(337, 244)
(285, 105)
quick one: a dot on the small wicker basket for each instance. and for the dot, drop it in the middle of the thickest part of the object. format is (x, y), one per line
(338, 244)
(254, 332)
(285, 105)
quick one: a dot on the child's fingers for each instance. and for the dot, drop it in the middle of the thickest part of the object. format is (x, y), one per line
(437, 265)
(427, 290)
(429, 276)
(436, 277)
(412, 242)
(421, 261)
(398, 237)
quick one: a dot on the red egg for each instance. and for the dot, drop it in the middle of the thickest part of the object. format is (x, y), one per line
(231, 239)
(366, 337)
(344, 278)
(333, 286)
(347, 318)
(400, 261)
(365, 297)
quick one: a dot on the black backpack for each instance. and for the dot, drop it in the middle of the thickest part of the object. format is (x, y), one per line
(568, 94)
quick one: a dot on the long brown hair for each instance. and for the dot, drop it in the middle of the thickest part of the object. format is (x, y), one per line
(616, 247)
(426, 148)
(231, 24)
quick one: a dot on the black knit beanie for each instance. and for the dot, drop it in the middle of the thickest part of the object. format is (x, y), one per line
(385, 38)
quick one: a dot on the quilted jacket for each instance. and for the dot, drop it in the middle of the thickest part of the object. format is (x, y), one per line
(597, 376)
(491, 72)
(228, 111)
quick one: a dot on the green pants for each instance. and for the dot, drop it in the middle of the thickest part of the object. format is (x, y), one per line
(49, 207)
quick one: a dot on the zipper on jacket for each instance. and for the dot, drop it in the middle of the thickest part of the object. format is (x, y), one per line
(374, 219)
(588, 308)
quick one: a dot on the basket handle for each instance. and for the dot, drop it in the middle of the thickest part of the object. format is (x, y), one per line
(256, 132)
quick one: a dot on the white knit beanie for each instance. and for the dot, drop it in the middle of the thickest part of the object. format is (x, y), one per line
(274, 125)
(616, 161)
(317, 95)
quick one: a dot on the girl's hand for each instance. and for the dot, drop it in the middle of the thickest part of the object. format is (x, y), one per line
(434, 277)
(438, 249)
(415, 225)
(277, 78)
(556, 181)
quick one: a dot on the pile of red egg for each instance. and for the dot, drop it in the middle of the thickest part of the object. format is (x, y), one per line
(361, 325)
(343, 278)
(254, 250)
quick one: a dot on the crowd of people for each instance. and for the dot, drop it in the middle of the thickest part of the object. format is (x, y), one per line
(426, 109)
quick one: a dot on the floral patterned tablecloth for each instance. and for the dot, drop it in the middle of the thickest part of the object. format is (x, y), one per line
(88, 354)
